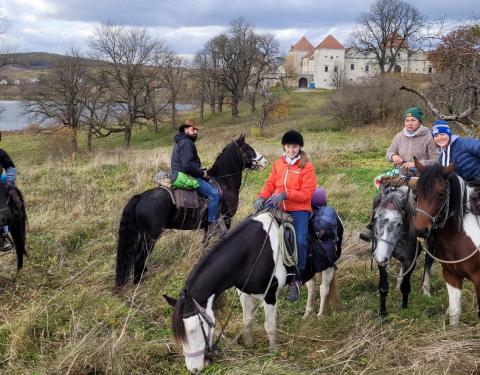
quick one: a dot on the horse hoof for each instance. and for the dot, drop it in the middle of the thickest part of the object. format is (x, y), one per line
(382, 314)
(404, 306)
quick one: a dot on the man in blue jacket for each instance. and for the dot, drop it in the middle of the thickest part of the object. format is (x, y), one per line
(7, 179)
(185, 159)
(463, 152)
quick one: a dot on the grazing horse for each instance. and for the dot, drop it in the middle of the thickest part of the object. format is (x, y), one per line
(13, 214)
(443, 211)
(147, 215)
(249, 259)
(394, 235)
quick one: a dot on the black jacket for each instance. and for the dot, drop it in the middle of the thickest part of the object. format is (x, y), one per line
(185, 157)
(5, 161)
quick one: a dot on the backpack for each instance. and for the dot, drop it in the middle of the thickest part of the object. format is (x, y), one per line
(323, 223)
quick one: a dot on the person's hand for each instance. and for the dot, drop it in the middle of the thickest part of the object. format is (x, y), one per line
(277, 199)
(397, 160)
(205, 174)
(10, 185)
(259, 204)
(409, 165)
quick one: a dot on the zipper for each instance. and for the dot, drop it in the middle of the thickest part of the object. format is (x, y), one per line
(285, 186)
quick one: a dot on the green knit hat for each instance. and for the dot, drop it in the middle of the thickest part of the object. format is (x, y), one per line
(414, 112)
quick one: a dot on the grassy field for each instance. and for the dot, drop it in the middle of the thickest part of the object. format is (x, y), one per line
(59, 315)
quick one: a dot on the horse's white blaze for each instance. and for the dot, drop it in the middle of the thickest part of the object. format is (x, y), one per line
(280, 270)
(327, 277)
(383, 251)
(454, 304)
(195, 340)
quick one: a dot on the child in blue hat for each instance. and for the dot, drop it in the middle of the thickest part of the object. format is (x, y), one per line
(464, 153)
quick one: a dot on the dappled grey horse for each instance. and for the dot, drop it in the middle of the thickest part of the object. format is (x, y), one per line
(395, 236)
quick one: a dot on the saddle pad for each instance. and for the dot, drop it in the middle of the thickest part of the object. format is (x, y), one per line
(475, 201)
(186, 198)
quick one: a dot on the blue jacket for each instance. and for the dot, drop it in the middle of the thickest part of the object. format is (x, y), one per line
(465, 154)
(185, 157)
(6, 163)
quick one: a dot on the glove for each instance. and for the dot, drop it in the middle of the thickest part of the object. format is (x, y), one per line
(277, 199)
(259, 204)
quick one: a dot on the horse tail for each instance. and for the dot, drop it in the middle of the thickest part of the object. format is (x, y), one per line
(333, 299)
(127, 242)
(340, 231)
(178, 326)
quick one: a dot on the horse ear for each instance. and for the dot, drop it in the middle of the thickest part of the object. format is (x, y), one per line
(170, 300)
(449, 169)
(418, 164)
(241, 139)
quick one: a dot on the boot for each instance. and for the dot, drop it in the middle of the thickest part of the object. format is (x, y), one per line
(293, 293)
(367, 234)
(6, 244)
(217, 229)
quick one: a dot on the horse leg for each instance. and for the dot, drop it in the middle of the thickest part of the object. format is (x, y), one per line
(310, 306)
(17, 231)
(383, 289)
(427, 269)
(271, 324)
(399, 279)
(406, 286)
(144, 248)
(327, 277)
(454, 288)
(248, 306)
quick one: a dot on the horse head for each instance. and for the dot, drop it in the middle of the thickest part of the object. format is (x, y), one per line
(193, 327)
(391, 224)
(433, 190)
(251, 158)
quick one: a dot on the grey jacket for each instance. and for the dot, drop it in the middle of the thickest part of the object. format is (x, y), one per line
(422, 146)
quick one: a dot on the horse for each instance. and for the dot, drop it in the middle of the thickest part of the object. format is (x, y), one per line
(394, 235)
(147, 215)
(13, 214)
(443, 213)
(249, 259)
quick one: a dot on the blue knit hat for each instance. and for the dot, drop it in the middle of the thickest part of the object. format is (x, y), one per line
(441, 127)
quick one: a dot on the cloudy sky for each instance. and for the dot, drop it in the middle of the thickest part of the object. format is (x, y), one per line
(57, 25)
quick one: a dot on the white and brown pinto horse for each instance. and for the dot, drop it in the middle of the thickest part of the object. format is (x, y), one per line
(248, 259)
(443, 211)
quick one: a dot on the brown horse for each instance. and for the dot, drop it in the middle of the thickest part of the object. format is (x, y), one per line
(443, 210)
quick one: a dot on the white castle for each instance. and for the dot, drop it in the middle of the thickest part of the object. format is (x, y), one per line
(330, 63)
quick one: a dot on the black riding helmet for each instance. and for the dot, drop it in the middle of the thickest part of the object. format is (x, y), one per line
(292, 137)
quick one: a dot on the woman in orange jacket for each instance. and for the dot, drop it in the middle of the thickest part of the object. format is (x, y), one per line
(289, 187)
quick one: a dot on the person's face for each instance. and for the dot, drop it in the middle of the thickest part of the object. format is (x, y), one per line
(291, 150)
(411, 123)
(191, 132)
(441, 139)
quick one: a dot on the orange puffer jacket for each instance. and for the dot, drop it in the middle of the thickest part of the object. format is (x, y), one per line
(297, 182)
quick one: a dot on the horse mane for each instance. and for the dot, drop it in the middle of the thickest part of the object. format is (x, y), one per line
(428, 178)
(217, 247)
(178, 327)
(401, 197)
(216, 168)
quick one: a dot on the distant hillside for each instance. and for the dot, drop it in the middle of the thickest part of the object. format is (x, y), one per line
(34, 60)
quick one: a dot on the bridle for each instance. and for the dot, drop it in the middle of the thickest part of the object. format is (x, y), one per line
(245, 159)
(202, 315)
(443, 212)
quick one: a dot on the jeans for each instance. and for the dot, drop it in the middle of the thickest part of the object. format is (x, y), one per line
(208, 191)
(300, 223)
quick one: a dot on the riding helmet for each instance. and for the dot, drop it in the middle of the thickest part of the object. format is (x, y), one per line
(292, 137)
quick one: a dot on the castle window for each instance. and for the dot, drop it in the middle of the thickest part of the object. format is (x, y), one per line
(331, 57)
(326, 68)
(367, 68)
(335, 69)
(429, 69)
(352, 66)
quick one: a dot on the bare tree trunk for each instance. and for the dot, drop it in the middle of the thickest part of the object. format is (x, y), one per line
(253, 98)
(174, 114)
(235, 100)
(202, 108)
(128, 136)
(220, 103)
(89, 138)
(212, 103)
(74, 141)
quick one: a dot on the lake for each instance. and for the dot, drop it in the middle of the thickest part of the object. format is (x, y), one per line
(12, 118)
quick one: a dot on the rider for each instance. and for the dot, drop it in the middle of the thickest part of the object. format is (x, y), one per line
(185, 159)
(413, 140)
(7, 179)
(464, 153)
(289, 187)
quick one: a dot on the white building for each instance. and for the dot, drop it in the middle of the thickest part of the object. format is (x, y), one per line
(330, 63)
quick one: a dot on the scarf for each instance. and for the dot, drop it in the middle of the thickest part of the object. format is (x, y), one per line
(291, 161)
(410, 134)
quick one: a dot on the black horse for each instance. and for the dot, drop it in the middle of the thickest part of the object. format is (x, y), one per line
(147, 215)
(250, 259)
(395, 236)
(13, 214)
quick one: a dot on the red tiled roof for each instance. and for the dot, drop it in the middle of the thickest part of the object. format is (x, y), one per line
(309, 54)
(302, 45)
(330, 43)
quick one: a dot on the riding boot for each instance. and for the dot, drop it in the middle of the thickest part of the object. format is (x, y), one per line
(293, 293)
(6, 244)
(367, 234)
(217, 228)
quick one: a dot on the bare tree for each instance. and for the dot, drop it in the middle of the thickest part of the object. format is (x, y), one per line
(337, 76)
(60, 99)
(265, 64)
(172, 76)
(389, 27)
(455, 87)
(132, 62)
(237, 50)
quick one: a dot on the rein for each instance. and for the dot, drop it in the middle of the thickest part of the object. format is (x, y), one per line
(443, 210)
(452, 261)
(202, 313)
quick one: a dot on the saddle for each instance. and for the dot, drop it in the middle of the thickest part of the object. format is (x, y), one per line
(475, 199)
(183, 198)
(397, 181)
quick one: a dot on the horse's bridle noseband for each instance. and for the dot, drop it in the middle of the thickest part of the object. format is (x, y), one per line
(201, 313)
(246, 160)
(442, 212)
